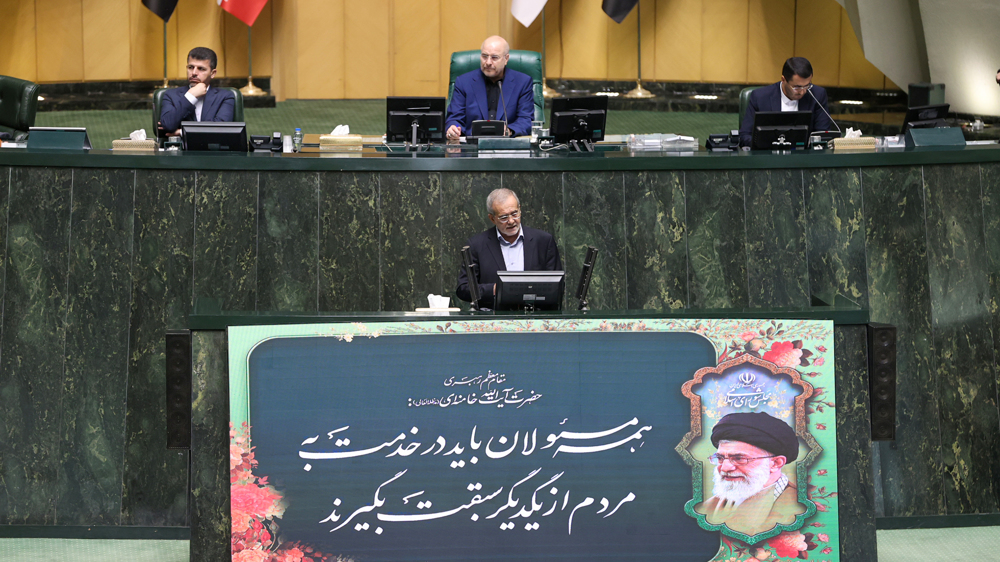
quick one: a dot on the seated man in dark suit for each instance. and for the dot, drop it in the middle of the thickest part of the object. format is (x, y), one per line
(795, 92)
(492, 92)
(198, 101)
(507, 247)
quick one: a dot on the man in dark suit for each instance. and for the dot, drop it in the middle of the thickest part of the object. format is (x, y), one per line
(507, 247)
(795, 92)
(492, 92)
(198, 101)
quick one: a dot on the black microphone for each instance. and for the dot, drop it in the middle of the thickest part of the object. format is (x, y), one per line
(500, 83)
(810, 90)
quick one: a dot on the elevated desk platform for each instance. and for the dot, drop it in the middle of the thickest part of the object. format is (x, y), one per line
(103, 252)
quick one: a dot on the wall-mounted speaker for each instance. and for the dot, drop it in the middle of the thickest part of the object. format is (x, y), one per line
(178, 394)
(882, 380)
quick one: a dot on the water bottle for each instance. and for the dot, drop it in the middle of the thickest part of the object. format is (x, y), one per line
(297, 140)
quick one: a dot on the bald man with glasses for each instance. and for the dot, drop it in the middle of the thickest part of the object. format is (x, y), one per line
(493, 92)
(794, 92)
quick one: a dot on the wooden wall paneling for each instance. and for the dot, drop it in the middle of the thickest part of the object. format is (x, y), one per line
(106, 54)
(771, 39)
(622, 40)
(18, 55)
(553, 39)
(527, 38)
(648, 39)
(723, 41)
(236, 44)
(199, 24)
(584, 41)
(366, 49)
(416, 49)
(463, 27)
(59, 40)
(855, 70)
(285, 70)
(320, 32)
(146, 44)
(494, 15)
(678, 40)
(817, 38)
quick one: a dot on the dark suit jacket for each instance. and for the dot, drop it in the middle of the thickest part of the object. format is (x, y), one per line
(540, 254)
(468, 102)
(219, 105)
(768, 98)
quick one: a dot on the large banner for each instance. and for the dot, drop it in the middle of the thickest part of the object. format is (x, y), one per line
(577, 439)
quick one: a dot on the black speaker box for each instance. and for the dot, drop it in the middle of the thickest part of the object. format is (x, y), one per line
(178, 360)
(882, 380)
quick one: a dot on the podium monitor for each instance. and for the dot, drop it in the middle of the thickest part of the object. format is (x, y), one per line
(780, 130)
(530, 290)
(416, 120)
(581, 119)
(215, 136)
(925, 117)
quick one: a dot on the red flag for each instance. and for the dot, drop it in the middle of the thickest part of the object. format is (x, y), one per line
(245, 10)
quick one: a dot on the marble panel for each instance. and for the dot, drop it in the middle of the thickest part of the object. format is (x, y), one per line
(835, 236)
(594, 215)
(657, 271)
(463, 215)
(777, 268)
(856, 497)
(411, 239)
(32, 338)
(899, 294)
(155, 483)
(963, 339)
(225, 243)
(287, 238)
(349, 241)
(210, 517)
(716, 239)
(97, 338)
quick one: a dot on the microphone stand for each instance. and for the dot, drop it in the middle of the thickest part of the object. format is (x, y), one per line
(811, 94)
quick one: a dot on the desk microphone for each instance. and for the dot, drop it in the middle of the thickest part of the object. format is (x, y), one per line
(810, 90)
(504, 104)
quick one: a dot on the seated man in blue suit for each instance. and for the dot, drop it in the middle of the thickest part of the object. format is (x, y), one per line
(507, 247)
(795, 92)
(492, 92)
(198, 101)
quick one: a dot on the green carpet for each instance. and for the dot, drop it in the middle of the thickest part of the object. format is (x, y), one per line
(364, 117)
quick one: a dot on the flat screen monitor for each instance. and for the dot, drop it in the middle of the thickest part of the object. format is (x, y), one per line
(780, 130)
(414, 119)
(578, 118)
(215, 136)
(925, 117)
(533, 290)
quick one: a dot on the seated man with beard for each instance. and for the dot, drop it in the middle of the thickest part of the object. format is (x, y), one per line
(751, 494)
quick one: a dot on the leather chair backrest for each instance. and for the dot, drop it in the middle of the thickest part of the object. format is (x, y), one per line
(744, 102)
(158, 103)
(528, 62)
(18, 104)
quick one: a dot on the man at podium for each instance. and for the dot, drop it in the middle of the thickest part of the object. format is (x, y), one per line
(506, 247)
(198, 101)
(794, 92)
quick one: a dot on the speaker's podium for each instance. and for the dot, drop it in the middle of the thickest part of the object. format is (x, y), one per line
(631, 435)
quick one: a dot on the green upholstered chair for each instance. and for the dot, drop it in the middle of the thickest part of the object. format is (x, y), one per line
(158, 102)
(18, 104)
(744, 102)
(528, 62)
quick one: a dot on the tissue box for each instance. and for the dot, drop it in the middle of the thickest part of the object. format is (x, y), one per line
(340, 140)
(129, 144)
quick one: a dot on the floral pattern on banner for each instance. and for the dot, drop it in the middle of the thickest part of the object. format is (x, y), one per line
(254, 506)
(796, 344)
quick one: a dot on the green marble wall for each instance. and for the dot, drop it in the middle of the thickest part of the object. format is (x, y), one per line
(97, 263)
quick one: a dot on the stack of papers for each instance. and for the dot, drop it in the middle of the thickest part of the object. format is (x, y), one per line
(661, 141)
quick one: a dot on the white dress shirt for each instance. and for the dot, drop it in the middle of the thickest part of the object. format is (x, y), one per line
(513, 252)
(197, 103)
(787, 104)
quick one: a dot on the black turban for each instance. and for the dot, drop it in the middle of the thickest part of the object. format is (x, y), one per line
(760, 430)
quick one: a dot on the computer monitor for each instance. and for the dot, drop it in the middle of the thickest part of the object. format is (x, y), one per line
(531, 290)
(780, 130)
(215, 135)
(414, 119)
(925, 117)
(578, 118)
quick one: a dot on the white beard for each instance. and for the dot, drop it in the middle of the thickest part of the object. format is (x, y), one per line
(738, 491)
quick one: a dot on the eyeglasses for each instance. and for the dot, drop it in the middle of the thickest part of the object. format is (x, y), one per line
(805, 88)
(494, 58)
(736, 460)
(513, 216)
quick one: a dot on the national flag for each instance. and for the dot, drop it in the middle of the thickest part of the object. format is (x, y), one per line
(618, 9)
(245, 10)
(525, 11)
(162, 8)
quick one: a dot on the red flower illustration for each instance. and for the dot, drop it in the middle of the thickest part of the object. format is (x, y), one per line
(827, 550)
(819, 362)
(823, 537)
(821, 472)
(788, 544)
(784, 354)
(821, 349)
(821, 426)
